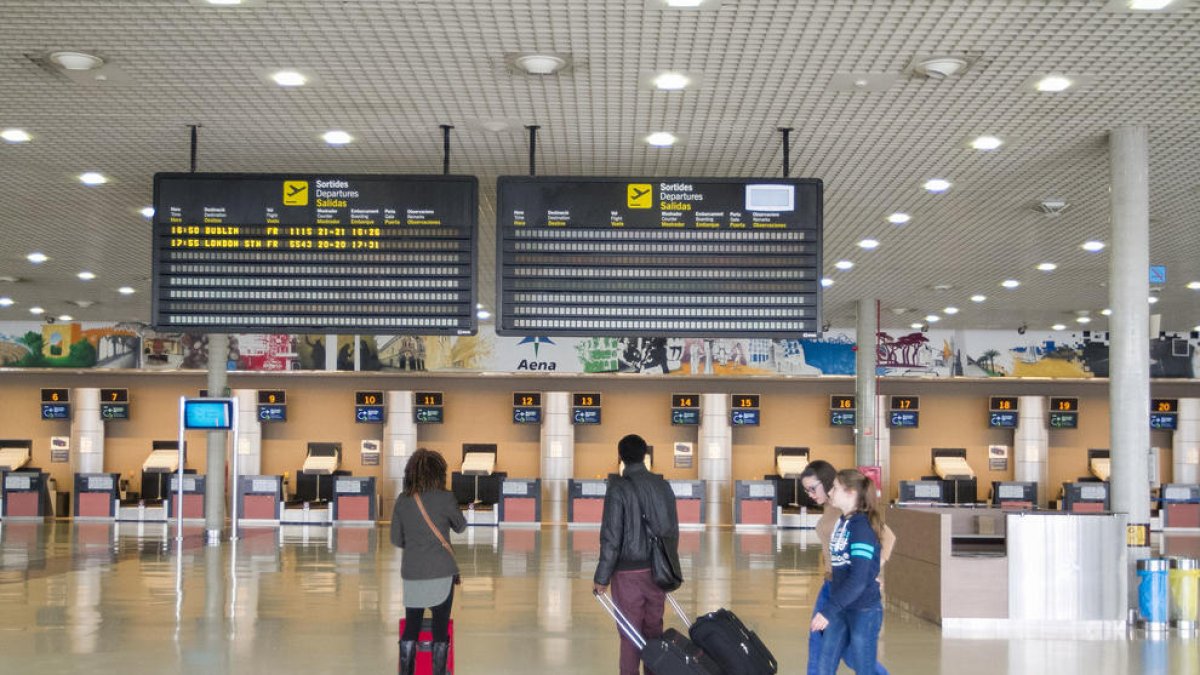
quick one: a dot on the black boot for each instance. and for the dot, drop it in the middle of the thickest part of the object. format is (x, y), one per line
(408, 657)
(441, 650)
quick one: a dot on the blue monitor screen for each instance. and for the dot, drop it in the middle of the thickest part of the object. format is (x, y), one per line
(1163, 421)
(843, 418)
(1003, 420)
(745, 418)
(904, 418)
(207, 414)
(527, 415)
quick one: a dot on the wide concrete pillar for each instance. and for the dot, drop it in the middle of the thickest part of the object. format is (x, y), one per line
(1185, 463)
(87, 432)
(399, 442)
(249, 432)
(1129, 351)
(557, 455)
(866, 430)
(1031, 446)
(214, 489)
(715, 457)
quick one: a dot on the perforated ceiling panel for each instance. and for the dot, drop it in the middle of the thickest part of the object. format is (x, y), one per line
(389, 72)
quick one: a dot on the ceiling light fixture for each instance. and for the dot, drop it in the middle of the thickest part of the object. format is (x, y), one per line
(1058, 326)
(661, 139)
(483, 314)
(93, 178)
(826, 282)
(37, 310)
(37, 258)
(1083, 319)
(1047, 267)
(1106, 311)
(15, 136)
(148, 212)
(978, 298)
(1194, 285)
(1010, 283)
(916, 325)
(289, 78)
(65, 317)
(899, 218)
(336, 137)
(843, 265)
(224, 2)
(932, 318)
(986, 143)
(540, 64)
(1053, 83)
(685, 3)
(1153, 300)
(940, 67)
(77, 60)
(869, 244)
(1093, 246)
(6, 302)
(86, 276)
(950, 310)
(671, 81)
(1148, 5)
(937, 185)
(1052, 206)
(126, 290)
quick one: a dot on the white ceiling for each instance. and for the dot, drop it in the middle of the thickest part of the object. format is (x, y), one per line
(391, 71)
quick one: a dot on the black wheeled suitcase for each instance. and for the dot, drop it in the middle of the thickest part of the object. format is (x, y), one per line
(671, 654)
(725, 639)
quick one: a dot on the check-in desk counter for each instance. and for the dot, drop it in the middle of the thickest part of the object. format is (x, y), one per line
(1180, 506)
(983, 568)
(1089, 497)
(96, 496)
(354, 500)
(585, 501)
(689, 502)
(24, 495)
(260, 499)
(520, 501)
(193, 496)
(754, 503)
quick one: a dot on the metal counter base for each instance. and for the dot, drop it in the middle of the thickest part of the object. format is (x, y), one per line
(142, 514)
(302, 516)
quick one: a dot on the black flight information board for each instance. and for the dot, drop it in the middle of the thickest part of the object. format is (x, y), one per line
(374, 254)
(673, 257)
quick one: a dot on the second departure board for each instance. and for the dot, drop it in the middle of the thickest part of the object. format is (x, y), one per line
(682, 257)
(368, 254)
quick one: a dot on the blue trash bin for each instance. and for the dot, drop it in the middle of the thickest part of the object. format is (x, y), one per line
(1153, 593)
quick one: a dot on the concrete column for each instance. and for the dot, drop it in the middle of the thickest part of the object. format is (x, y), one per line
(1129, 352)
(558, 455)
(214, 491)
(883, 441)
(715, 457)
(87, 432)
(249, 432)
(1031, 446)
(399, 442)
(1185, 465)
(866, 430)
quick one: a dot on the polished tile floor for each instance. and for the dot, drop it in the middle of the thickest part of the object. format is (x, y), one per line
(105, 598)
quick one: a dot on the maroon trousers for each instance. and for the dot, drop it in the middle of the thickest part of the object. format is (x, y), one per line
(641, 601)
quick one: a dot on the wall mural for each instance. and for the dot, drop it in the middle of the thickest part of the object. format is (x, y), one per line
(937, 353)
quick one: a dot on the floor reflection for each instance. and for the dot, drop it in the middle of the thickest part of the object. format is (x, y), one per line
(128, 598)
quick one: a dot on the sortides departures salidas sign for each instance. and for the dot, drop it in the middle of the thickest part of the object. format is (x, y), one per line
(677, 257)
(373, 254)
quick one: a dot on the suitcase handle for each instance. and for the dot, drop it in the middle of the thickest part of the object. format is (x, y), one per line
(687, 623)
(622, 622)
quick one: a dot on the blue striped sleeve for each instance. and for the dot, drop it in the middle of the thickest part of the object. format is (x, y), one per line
(861, 550)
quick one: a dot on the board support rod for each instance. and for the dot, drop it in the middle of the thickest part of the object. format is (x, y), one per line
(787, 161)
(446, 148)
(533, 148)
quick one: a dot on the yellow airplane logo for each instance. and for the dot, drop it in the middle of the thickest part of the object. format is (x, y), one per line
(639, 195)
(295, 193)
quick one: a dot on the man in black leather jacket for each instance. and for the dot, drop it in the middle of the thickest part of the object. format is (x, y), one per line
(625, 548)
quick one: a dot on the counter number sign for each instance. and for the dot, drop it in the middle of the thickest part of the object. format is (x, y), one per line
(368, 407)
(685, 409)
(527, 407)
(428, 407)
(114, 404)
(56, 404)
(585, 408)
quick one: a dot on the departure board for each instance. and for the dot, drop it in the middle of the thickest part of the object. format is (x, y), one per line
(373, 254)
(681, 257)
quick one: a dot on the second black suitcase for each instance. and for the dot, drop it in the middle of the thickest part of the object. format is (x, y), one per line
(735, 648)
(671, 654)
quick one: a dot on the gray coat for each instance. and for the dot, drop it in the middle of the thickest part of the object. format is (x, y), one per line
(424, 557)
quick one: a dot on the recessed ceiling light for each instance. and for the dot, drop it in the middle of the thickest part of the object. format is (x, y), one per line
(684, 3)
(126, 290)
(483, 314)
(224, 2)
(950, 310)
(1194, 285)
(916, 325)
(1058, 326)
(671, 81)
(1153, 300)
(1053, 83)
(289, 78)
(1047, 267)
(936, 185)
(540, 64)
(65, 317)
(932, 318)
(986, 143)
(15, 135)
(337, 137)
(899, 218)
(77, 60)
(1010, 283)
(978, 298)
(661, 139)
(92, 178)
(843, 264)
(940, 67)
(868, 244)
(1093, 246)
(86, 276)
(826, 282)
(1196, 329)
(1083, 319)
(6, 302)
(1148, 5)
(1106, 311)
(36, 310)
(37, 258)
(148, 212)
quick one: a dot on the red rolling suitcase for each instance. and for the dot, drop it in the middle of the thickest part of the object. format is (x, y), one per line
(671, 654)
(425, 647)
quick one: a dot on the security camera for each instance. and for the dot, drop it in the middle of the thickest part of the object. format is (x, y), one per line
(825, 327)
(925, 328)
(50, 319)
(1021, 329)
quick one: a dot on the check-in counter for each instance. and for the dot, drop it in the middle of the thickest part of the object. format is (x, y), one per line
(24, 495)
(96, 496)
(354, 500)
(754, 503)
(260, 499)
(1180, 506)
(520, 500)
(193, 496)
(1089, 497)
(984, 568)
(689, 501)
(585, 501)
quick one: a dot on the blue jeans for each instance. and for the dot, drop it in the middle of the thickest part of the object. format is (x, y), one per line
(818, 640)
